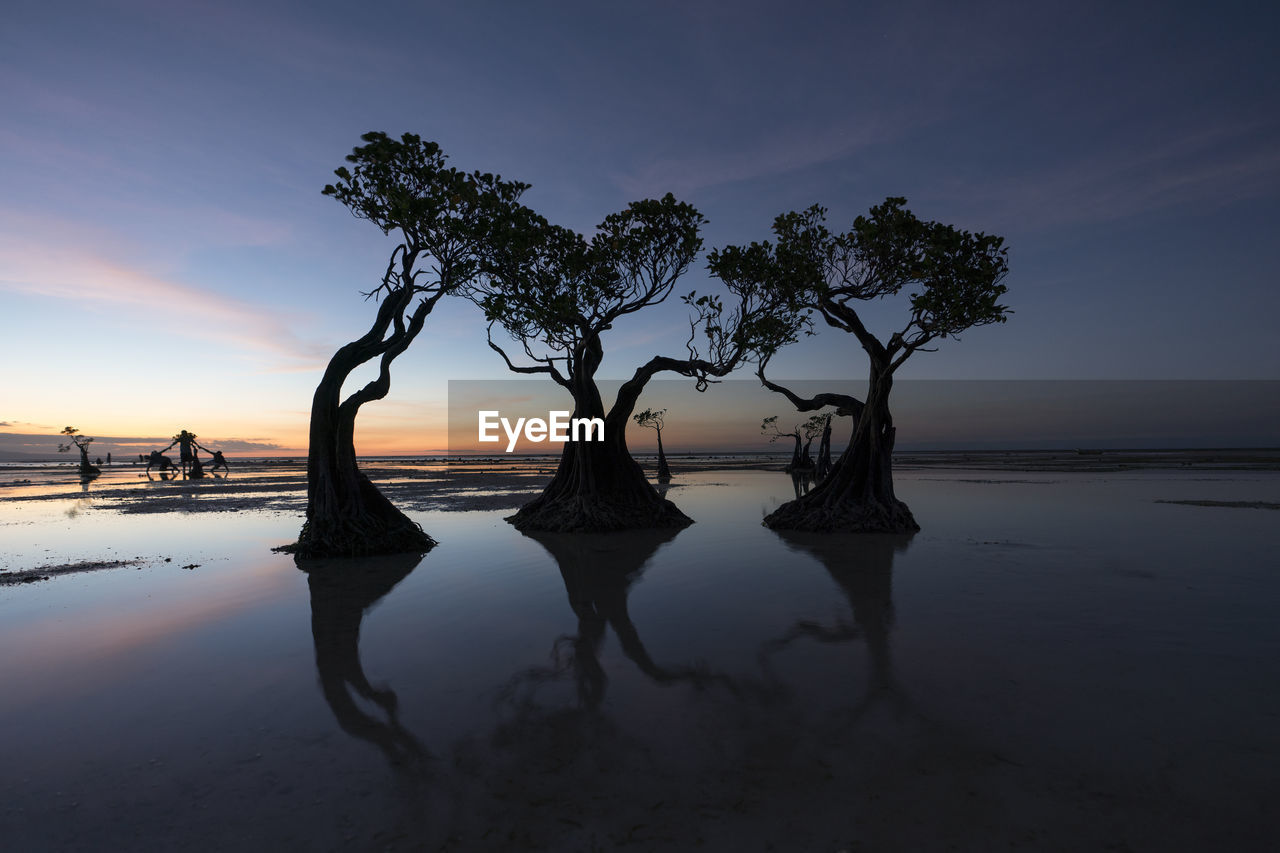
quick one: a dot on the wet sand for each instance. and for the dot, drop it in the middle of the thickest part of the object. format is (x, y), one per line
(1060, 660)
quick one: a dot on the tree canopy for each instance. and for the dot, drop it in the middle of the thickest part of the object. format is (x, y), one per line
(954, 278)
(555, 292)
(804, 430)
(651, 418)
(442, 216)
(81, 442)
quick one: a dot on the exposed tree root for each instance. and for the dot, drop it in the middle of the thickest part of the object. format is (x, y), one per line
(595, 514)
(843, 517)
(368, 534)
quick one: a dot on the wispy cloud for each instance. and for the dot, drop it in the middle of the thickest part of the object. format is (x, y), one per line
(1204, 168)
(79, 275)
(44, 444)
(787, 148)
(27, 425)
(138, 197)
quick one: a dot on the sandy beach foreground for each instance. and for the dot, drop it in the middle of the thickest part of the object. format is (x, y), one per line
(1076, 652)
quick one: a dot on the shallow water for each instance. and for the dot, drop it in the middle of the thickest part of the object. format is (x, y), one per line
(1056, 661)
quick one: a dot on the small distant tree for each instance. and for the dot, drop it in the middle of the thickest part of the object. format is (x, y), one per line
(802, 432)
(440, 218)
(81, 443)
(954, 282)
(556, 293)
(654, 419)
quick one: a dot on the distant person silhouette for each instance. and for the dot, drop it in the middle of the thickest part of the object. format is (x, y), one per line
(159, 460)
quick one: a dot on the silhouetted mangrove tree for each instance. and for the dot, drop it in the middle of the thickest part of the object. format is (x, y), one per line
(655, 419)
(441, 218)
(81, 443)
(955, 281)
(556, 293)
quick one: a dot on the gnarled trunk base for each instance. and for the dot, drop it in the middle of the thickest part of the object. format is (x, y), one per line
(857, 496)
(346, 514)
(877, 516)
(598, 488)
(365, 537)
(587, 513)
(371, 526)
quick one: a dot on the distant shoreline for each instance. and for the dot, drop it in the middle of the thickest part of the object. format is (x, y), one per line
(1265, 458)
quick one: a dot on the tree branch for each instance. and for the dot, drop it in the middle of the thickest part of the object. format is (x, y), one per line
(399, 341)
(545, 367)
(851, 322)
(843, 402)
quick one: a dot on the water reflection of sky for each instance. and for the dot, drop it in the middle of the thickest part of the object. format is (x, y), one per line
(1068, 625)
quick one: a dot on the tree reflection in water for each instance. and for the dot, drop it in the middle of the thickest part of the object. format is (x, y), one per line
(862, 565)
(802, 480)
(342, 592)
(598, 570)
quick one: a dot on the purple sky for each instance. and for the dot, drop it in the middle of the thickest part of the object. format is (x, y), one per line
(166, 255)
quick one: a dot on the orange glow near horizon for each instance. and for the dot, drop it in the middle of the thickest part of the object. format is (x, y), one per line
(375, 440)
(930, 415)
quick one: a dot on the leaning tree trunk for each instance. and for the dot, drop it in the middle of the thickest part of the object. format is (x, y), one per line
(598, 486)
(346, 514)
(858, 495)
(664, 473)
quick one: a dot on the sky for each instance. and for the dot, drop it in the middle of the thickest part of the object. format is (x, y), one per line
(167, 260)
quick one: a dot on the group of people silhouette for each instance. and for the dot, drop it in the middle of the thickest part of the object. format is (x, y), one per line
(188, 455)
